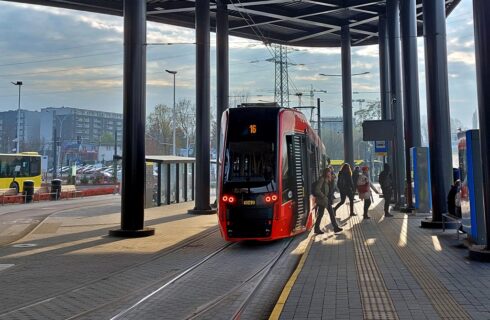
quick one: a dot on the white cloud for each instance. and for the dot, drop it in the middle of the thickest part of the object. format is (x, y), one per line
(463, 57)
(367, 51)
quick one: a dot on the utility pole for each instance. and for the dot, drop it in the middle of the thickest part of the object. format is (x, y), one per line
(17, 148)
(55, 146)
(281, 88)
(318, 118)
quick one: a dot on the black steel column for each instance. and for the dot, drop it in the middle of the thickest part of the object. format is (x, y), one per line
(384, 70)
(437, 106)
(134, 104)
(159, 184)
(185, 181)
(392, 15)
(481, 17)
(177, 183)
(384, 75)
(347, 96)
(168, 184)
(222, 63)
(202, 109)
(411, 104)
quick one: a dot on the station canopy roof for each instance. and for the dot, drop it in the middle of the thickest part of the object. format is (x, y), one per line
(308, 23)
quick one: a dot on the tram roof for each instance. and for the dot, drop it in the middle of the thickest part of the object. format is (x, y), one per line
(308, 23)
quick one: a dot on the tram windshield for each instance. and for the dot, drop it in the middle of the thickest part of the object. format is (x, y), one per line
(250, 151)
(250, 165)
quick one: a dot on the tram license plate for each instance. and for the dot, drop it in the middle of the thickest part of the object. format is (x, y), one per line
(249, 202)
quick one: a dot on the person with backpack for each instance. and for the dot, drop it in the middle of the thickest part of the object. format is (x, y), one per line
(386, 182)
(321, 192)
(364, 189)
(346, 188)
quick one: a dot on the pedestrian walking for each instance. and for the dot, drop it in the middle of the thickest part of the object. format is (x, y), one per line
(355, 176)
(386, 182)
(346, 188)
(364, 189)
(321, 192)
(332, 185)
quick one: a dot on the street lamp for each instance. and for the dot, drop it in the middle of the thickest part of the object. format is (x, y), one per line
(18, 83)
(173, 113)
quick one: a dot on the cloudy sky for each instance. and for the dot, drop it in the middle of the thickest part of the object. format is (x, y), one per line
(71, 58)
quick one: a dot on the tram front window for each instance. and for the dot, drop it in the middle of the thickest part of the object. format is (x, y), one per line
(250, 166)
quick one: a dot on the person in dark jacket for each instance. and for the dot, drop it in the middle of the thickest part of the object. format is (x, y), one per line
(346, 188)
(321, 192)
(452, 204)
(386, 182)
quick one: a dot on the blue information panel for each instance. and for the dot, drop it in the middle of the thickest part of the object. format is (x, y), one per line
(381, 148)
(420, 170)
(471, 192)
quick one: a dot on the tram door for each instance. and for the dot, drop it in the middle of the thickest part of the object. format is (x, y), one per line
(299, 163)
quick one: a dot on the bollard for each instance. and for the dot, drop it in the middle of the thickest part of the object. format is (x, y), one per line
(55, 189)
(28, 187)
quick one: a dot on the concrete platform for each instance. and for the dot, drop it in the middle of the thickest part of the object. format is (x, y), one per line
(386, 269)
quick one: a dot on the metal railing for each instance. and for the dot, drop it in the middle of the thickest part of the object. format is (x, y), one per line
(169, 179)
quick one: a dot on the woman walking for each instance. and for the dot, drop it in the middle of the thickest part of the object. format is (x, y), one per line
(364, 189)
(346, 188)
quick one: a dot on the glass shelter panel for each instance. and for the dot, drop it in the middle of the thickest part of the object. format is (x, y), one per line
(173, 180)
(163, 183)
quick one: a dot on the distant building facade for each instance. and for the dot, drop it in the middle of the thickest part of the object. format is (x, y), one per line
(334, 124)
(79, 132)
(28, 134)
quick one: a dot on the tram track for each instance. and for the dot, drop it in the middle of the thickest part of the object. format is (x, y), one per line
(255, 281)
(229, 304)
(78, 293)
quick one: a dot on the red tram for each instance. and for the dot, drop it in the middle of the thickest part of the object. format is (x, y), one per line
(269, 158)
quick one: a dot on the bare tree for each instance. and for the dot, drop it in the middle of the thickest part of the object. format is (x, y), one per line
(372, 111)
(159, 130)
(238, 97)
(186, 121)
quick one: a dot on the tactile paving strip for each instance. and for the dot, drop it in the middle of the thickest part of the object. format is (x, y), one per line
(444, 304)
(375, 298)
